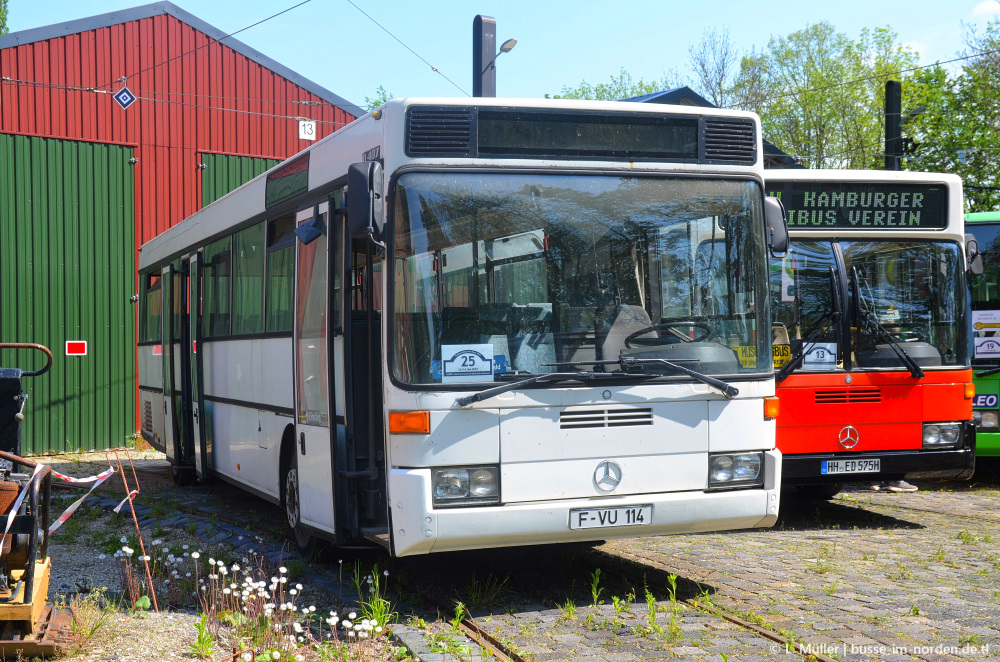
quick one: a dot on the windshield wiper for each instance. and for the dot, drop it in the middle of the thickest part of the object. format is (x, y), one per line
(626, 362)
(833, 314)
(987, 373)
(545, 376)
(868, 319)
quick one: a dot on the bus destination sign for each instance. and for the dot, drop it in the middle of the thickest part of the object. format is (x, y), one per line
(862, 205)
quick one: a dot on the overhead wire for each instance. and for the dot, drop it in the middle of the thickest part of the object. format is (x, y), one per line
(209, 43)
(433, 68)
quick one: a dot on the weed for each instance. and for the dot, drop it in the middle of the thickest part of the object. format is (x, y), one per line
(971, 640)
(203, 647)
(459, 617)
(831, 589)
(568, 609)
(371, 590)
(485, 593)
(88, 617)
(914, 610)
(595, 589)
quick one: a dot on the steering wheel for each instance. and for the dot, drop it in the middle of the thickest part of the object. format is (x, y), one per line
(668, 326)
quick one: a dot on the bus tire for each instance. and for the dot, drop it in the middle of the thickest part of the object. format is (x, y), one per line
(823, 492)
(293, 508)
(183, 475)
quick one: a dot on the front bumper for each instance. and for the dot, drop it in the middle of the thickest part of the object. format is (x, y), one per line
(955, 464)
(417, 528)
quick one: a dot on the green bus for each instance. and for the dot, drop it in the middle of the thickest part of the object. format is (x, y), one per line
(986, 332)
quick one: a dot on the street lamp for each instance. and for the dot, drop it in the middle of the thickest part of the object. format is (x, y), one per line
(484, 77)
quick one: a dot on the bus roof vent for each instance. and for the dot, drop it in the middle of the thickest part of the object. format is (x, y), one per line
(730, 140)
(438, 131)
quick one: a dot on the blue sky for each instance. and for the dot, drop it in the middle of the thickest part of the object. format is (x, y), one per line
(559, 43)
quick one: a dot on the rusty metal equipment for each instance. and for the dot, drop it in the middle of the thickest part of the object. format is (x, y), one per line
(28, 625)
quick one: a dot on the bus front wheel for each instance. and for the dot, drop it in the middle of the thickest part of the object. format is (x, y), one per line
(182, 475)
(293, 504)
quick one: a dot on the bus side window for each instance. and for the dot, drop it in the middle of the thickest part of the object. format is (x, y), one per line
(280, 276)
(215, 305)
(248, 281)
(150, 309)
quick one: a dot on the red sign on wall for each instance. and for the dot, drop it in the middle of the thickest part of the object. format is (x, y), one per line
(76, 348)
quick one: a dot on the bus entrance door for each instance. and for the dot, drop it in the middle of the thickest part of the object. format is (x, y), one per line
(312, 461)
(202, 462)
(171, 434)
(176, 384)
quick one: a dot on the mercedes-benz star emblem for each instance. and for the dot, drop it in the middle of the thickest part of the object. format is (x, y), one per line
(607, 476)
(848, 437)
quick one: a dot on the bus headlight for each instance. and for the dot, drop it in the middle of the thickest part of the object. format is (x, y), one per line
(986, 420)
(735, 470)
(461, 486)
(938, 435)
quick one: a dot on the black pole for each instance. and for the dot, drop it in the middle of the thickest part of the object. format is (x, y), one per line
(484, 48)
(893, 123)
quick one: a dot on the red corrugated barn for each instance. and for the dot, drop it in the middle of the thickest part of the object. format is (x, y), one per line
(84, 182)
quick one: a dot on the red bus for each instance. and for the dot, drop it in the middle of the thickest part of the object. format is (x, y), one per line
(871, 330)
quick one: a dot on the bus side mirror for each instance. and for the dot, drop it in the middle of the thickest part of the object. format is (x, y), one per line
(974, 256)
(777, 226)
(365, 211)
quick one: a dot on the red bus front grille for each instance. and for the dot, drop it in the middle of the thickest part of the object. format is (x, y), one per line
(845, 396)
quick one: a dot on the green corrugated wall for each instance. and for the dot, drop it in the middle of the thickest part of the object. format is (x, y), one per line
(224, 173)
(67, 265)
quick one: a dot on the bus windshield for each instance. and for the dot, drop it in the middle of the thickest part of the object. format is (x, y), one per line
(496, 275)
(908, 293)
(986, 296)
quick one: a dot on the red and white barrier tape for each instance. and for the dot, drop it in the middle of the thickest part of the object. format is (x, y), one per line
(131, 495)
(98, 479)
(79, 481)
(20, 498)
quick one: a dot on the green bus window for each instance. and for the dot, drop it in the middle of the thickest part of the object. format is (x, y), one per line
(248, 281)
(215, 296)
(280, 274)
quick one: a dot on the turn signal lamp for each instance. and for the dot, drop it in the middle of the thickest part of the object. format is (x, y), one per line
(770, 409)
(410, 422)
(970, 391)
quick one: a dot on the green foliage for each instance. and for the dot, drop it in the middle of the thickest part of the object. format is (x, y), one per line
(143, 603)
(3, 16)
(619, 87)
(203, 647)
(821, 94)
(381, 96)
(959, 130)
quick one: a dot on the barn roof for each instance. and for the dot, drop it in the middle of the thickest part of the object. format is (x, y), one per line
(158, 8)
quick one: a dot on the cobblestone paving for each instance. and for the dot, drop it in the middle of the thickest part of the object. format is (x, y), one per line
(869, 576)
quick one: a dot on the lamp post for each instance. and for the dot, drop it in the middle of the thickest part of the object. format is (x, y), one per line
(484, 55)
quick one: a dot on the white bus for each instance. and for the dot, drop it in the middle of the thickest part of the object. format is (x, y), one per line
(460, 324)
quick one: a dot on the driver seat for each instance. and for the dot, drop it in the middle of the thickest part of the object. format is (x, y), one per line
(626, 321)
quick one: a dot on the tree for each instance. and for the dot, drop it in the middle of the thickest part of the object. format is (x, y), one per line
(619, 87)
(715, 62)
(820, 94)
(959, 130)
(381, 96)
(3, 16)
